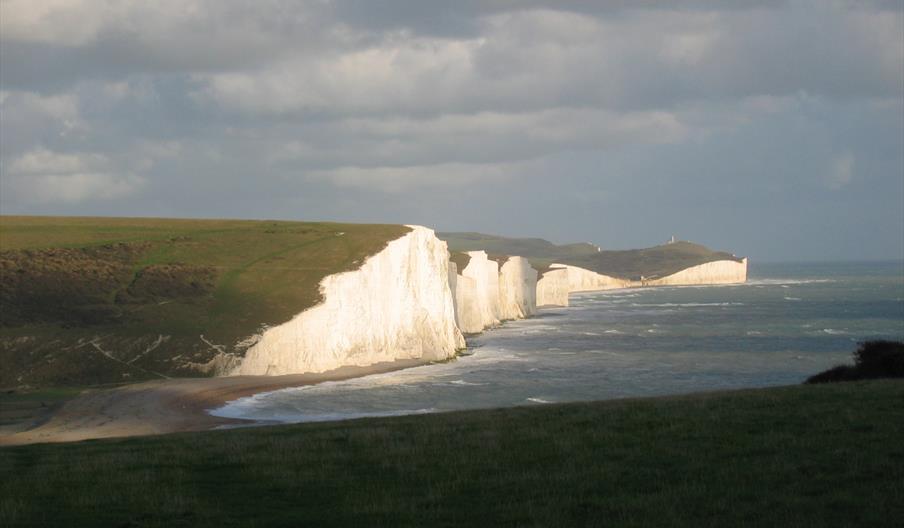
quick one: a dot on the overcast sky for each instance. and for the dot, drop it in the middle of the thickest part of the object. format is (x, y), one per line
(771, 129)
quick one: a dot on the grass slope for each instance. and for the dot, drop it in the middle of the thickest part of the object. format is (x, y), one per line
(658, 261)
(827, 455)
(100, 300)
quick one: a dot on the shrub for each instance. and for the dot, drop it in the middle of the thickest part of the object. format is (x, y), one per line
(872, 359)
(836, 373)
(880, 359)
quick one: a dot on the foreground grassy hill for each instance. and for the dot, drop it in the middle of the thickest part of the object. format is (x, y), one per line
(826, 455)
(654, 262)
(103, 300)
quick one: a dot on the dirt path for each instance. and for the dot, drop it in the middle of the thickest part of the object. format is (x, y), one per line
(169, 406)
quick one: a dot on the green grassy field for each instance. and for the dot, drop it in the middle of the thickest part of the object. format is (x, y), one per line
(827, 455)
(89, 301)
(658, 261)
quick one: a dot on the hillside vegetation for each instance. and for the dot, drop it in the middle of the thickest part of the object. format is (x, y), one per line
(654, 262)
(813, 455)
(103, 300)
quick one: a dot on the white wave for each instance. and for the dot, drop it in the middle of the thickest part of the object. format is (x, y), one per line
(535, 329)
(399, 378)
(465, 383)
(613, 332)
(754, 333)
(538, 400)
(832, 331)
(686, 305)
(603, 352)
(793, 298)
(780, 282)
(591, 334)
(502, 359)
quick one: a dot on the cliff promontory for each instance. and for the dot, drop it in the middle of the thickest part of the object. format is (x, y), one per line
(87, 301)
(397, 305)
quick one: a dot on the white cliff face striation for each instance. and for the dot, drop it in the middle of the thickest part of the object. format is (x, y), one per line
(561, 280)
(476, 291)
(485, 273)
(453, 287)
(517, 289)
(486, 294)
(717, 272)
(553, 288)
(581, 280)
(467, 310)
(397, 305)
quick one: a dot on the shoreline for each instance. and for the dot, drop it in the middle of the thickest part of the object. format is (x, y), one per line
(178, 405)
(171, 406)
(183, 404)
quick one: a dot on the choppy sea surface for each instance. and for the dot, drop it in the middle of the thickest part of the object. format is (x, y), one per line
(787, 322)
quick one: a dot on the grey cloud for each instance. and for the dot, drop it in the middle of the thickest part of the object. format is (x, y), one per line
(537, 60)
(769, 128)
(188, 36)
(461, 19)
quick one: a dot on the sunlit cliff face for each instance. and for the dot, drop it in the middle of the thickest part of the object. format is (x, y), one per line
(398, 305)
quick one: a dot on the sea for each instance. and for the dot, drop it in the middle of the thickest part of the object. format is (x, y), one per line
(788, 322)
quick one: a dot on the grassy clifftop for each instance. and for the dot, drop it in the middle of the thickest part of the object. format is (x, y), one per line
(101, 300)
(826, 455)
(658, 261)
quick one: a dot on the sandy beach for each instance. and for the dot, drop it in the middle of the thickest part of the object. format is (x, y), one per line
(169, 406)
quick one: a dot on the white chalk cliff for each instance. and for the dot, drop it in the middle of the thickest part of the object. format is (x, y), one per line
(476, 292)
(517, 289)
(486, 293)
(582, 280)
(410, 302)
(555, 285)
(717, 272)
(561, 280)
(553, 288)
(397, 305)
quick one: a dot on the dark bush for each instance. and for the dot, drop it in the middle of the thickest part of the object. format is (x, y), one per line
(872, 360)
(880, 359)
(836, 373)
